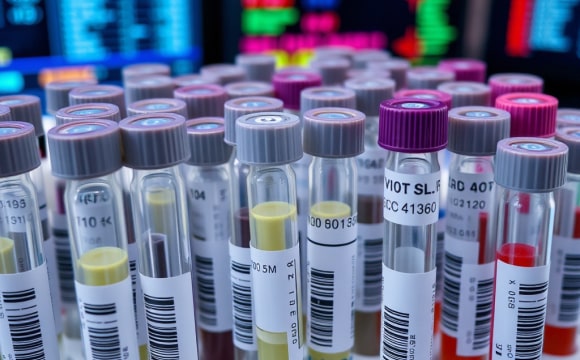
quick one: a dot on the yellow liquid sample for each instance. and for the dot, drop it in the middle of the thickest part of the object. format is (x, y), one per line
(7, 256)
(329, 210)
(103, 266)
(272, 230)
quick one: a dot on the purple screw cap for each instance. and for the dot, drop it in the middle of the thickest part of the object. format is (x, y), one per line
(174, 106)
(466, 93)
(428, 77)
(571, 137)
(206, 142)
(56, 93)
(195, 79)
(567, 117)
(148, 87)
(288, 85)
(532, 114)
(25, 108)
(18, 148)
(249, 88)
(514, 82)
(412, 125)
(426, 94)
(238, 107)
(259, 67)
(226, 73)
(202, 100)
(110, 94)
(87, 111)
(465, 69)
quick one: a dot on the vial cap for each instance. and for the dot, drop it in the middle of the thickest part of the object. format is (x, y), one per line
(5, 113)
(272, 138)
(249, 88)
(531, 164)
(412, 125)
(571, 137)
(466, 93)
(226, 73)
(332, 71)
(165, 105)
(532, 114)
(368, 74)
(505, 83)
(425, 94)
(428, 77)
(333, 52)
(361, 57)
(154, 141)
(206, 142)
(370, 92)
(567, 117)
(142, 69)
(288, 85)
(465, 69)
(202, 100)
(148, 87)
(87, 111)
(18, 148)
(235, 108)
(475, 130)
(259, 67)
(25, 108)
(85, 149)
(333, 132)
(56, 93)
(396, 66)
(326, 96)
(109, 94)
(195, 79)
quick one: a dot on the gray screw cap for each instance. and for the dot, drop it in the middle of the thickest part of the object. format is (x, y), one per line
(5, 113)
(148, 87)
(567, 117)
(109, 94)
(165, 105)
(571, 137)
(249, 88)
(332, 70)
(259, 67)
(476, 130)
(396, 66)
(25, 108)
(428, 77)
(226, 73)
(87, 111)
(467, 93)
(370, 93)
(142, 69)
(18, 148)
(56, 93)
(326, 96)
(195, 79)
(235, 108)
(202, 100)
(206, 142)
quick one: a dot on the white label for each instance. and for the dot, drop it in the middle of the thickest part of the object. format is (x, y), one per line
(212, 280)
(370, 168)
(564, 293)
(16, 212)
(369, 267)
(26, 318)
(241, 278)
(170, 317)
(331, 283)
(520, 305)
(108, 320)
(407, 315)
(138, 305)
(411, 199)
(209, 210)
(275, 278)
(52, 269)
(93, 216)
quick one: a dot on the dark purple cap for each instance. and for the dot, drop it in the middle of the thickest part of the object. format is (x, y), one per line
(87, 111)
(475, 130)
(466, 93)
(289, 84)
(413, 125)
(259, 67)
(505, 83)
(56, 93)
(465, 69)
(571, 137)
(165, 105)
(195, 79)
(531, 164)
(202, 100)
(368, 74)
(148, 87)
(396, 66)
(85, 149)
(361, 57)
(370, 93)
(326, 96)
(206, 142)
(235, 108)
(567, 117)
(154, 141)
(332, 71)
(109, 94)
(18, 148)
(428, 77)
(5, 113)
(333, 132)
(532, 114)
(226, 73)
(25, 108)
(249, 88)
(426, 94)
(143, 69)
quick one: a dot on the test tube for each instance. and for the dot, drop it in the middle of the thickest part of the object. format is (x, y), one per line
(94, 207)
(426, 94)
(370, 169)
(109, 94)
(567, 117)
(468, 267)
(465, 69)
(504, 83)
(207, 182)
(56, 93)
(333, 137)
(226, 73)
(531, 114)
(563, 310)
(527, 171)
(243, 324)
(427, 77)
(27, 321)
(466, 93)
(249, 88)
(202, 100)
(268, 143)
(165, 105)
(148, 87)
(413, 131)
(396, 66)
(145, 69)
(259, 67)
(154, 146)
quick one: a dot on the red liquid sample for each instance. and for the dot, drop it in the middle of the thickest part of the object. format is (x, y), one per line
(242, 227)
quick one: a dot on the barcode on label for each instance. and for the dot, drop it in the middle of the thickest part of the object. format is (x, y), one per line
(242, 306)
(373, 257)
(205, 290)
(530, 321)
(451, 287)
(321, 306)
(161, 327)
(104, 341)
(133, 272)
(483, 314)
(64, 265)
(570, 295)
(24, 324)
(395, 335)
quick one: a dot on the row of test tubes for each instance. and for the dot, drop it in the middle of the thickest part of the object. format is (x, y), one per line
(293, 222)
